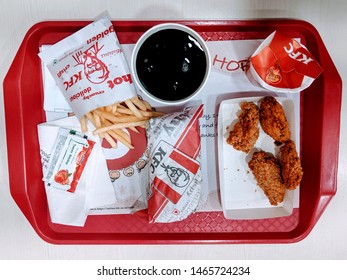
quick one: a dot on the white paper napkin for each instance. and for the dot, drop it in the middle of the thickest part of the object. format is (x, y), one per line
(95, 188)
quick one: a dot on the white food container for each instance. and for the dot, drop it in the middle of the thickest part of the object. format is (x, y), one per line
(241, 197)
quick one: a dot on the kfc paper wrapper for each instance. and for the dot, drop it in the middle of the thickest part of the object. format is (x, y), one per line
(130, 185)
(174, 165)
(89, 67)
(282, 64)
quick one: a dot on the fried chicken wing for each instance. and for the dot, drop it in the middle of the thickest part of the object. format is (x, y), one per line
(267, 171)
(291, 165)
(273, 119)
(246, 131)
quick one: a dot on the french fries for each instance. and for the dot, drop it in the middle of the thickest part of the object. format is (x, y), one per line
(109, 121)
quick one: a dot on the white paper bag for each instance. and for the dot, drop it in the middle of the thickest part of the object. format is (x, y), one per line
(89, 67)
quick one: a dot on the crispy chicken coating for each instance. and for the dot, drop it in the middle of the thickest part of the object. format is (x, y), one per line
(291, 165)
(246, 131)
(267, 171)
(273, 119)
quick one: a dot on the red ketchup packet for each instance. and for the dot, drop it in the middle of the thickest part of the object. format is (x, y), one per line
(68, 159)
(174, 165)
(284, 65)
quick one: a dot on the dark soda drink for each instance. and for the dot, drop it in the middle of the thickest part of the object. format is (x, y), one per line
(171, 64)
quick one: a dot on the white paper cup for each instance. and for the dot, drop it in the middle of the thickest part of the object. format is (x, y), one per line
(167, 70)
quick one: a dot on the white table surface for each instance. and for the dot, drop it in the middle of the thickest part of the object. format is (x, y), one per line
(327, 240)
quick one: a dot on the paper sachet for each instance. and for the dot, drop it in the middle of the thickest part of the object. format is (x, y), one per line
(68, 159)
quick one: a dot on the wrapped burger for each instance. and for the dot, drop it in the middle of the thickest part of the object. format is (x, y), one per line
(174, 166)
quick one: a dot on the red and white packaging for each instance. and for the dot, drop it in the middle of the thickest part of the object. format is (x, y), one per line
(174, 165)
(89, 67)
(68, 159)
(282, 64)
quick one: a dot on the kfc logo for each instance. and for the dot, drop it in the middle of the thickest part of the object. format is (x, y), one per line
(95, 70)
(177, 176)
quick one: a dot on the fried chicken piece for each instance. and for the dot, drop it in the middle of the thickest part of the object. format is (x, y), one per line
(246, 131)
(273, 119)
(291, 165)
(267, 171)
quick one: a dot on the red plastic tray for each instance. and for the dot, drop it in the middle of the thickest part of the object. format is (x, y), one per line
(320, 128)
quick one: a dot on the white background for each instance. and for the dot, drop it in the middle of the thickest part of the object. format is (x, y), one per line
(328, 238)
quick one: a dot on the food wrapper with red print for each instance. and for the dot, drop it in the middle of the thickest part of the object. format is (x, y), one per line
(89, 68)
(174, 165)
(68, 159)
(282, 64)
